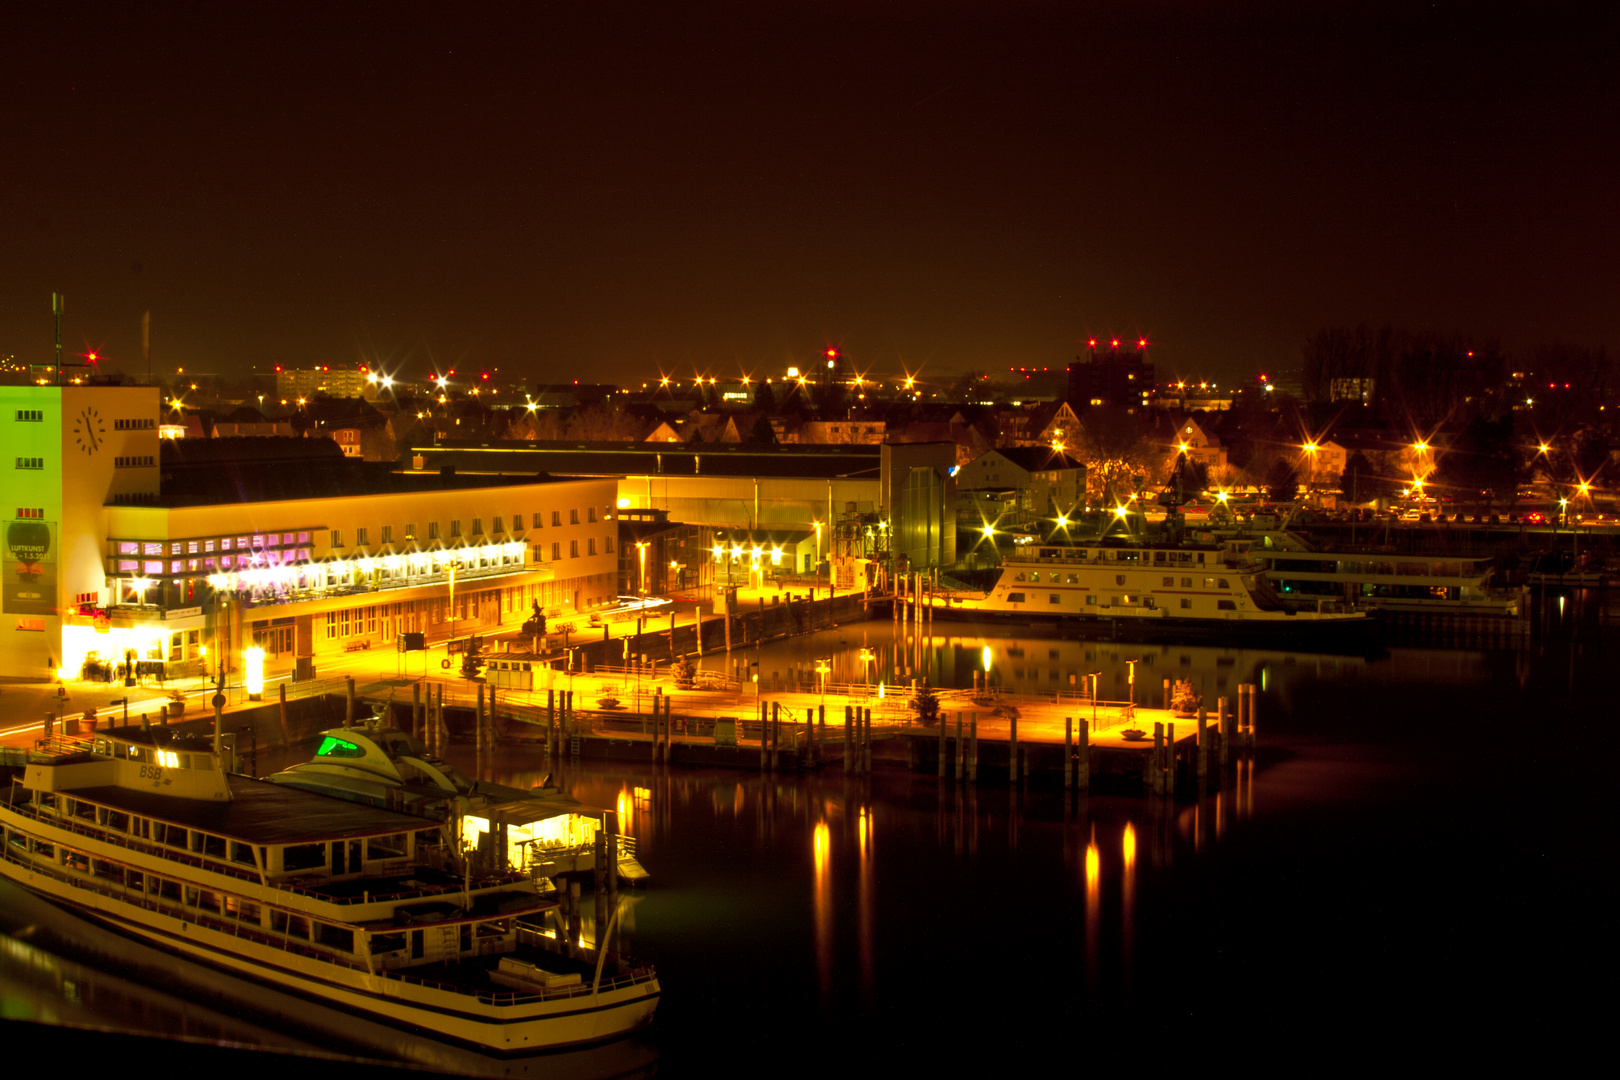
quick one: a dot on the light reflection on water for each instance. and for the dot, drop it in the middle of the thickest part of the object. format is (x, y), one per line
(781, 905)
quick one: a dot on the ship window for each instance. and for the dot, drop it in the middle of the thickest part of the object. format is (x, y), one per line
(291, 925)
(1209, 583)
(1186, 603)
(1020, 577)
(1091, 600)
(1186, 583)
(387, 943)
(303, 856)
(244, 910)
(1072, 579)
(1149, 602)
(1054, 598)
(386, 847)
(1169, 582)
(334, 937)
(334, 747)
(1224, 583)
(1015, 598)
(1226, 605)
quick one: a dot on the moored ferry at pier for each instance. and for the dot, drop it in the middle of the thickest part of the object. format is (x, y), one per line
(355, 907)
(1144, 587)
(543, 833)
(1379, 580)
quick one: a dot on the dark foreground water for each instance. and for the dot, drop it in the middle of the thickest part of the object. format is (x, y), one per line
(1417, 866)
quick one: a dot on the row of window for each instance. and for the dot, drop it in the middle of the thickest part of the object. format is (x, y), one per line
(30, 463)
(134, 425)
(497, 525)
(31, 416)
(1052, 577)
(1126, 600)
(137, 461)
(254, 541)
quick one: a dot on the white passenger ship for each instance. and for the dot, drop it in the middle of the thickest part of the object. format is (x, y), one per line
(1145, 588)
(1373, 580)
(356, 907)
(545, 834)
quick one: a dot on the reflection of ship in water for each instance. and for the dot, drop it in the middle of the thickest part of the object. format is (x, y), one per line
(1037, 665)
(69, 973)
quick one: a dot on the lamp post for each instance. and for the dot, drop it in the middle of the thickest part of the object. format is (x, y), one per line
(641, 557)
(1310, 475)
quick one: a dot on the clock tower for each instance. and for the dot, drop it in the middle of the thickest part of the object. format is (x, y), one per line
(71, 454)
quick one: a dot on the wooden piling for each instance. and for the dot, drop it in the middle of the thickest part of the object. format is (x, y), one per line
(1068, 753)
(1221, 722)
(776, 732)
(1203, 748)
(610, 872)
(973, 748)
(942, 742)
(1250, 739)
(599, 884)
(348, 705)
(961, 751)
(1012, 747)
(1083, 757)
(1170, 759)
(281, 708)
(478, 722)
(1155, 777)
(866, 748)
(416, 710)
(849, 740)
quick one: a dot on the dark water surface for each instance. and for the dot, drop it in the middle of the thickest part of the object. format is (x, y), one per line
(1418, 860)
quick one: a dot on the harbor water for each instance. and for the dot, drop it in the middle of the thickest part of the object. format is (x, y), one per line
(1414, 862)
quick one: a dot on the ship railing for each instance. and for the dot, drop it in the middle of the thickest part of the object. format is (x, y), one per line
(145, 847)
(60, 746)
(370, 897)
(192, 913)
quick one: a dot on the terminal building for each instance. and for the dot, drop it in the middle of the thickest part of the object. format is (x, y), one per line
(175, 556)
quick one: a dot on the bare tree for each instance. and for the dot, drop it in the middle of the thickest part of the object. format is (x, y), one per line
(604, 423)
(1114, 445)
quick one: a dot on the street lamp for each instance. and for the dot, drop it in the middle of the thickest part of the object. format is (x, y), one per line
(1310, 477)
(641, 557)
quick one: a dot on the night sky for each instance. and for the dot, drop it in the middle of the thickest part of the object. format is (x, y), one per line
(612, 190)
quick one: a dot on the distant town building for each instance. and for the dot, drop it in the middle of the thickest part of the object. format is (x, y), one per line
(306, 383)
(1044, 482)
(1111, 373)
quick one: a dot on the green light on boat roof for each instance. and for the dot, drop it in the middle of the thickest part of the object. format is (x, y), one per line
(335, 747)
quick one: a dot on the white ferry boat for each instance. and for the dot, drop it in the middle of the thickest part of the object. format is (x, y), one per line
(359, 908)
(546, 833)
(1374, 580)
(1145, 588)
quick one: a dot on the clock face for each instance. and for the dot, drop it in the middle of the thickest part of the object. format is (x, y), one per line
(88, 430)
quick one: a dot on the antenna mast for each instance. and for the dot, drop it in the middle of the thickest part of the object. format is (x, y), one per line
(58, 305)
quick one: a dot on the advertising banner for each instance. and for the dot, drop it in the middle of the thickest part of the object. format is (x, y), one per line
(28, 568)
